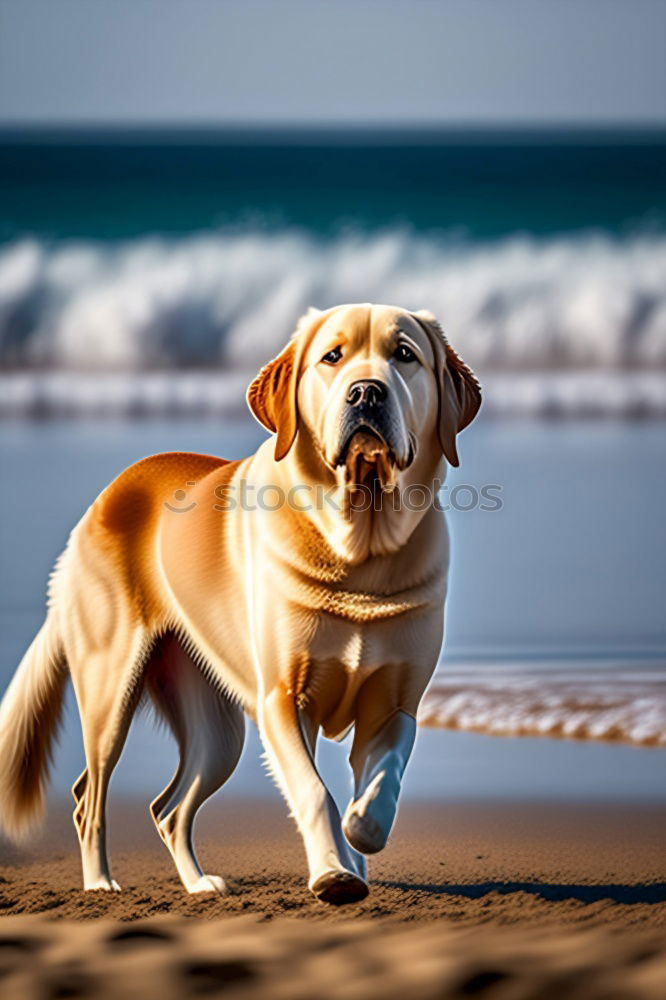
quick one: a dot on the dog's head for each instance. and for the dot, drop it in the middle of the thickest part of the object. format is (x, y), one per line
(372, 386)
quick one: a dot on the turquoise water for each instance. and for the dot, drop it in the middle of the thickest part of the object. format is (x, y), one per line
(479, 184)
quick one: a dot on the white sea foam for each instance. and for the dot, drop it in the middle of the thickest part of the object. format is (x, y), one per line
(233, 296)
(618, 703)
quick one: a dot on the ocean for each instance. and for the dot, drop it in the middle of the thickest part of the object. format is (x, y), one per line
(544, 256)
(485, 185)
(145, 277)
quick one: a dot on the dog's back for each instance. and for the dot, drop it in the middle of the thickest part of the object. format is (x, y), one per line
(104, 587)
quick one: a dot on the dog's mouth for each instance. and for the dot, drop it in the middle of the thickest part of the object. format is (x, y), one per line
(367, 460)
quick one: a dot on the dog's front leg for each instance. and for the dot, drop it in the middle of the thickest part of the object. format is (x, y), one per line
(336, 870)
(378, 758)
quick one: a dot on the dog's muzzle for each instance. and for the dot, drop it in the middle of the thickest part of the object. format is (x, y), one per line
(368, 445)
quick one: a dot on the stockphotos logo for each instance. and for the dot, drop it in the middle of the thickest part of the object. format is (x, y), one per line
(462, 497)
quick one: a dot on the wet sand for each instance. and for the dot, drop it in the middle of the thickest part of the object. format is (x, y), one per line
(499, 900)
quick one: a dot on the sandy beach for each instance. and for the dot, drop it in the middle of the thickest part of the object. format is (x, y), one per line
(500, 900)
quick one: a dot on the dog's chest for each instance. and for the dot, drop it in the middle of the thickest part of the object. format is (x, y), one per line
(345, 651)
(332, 674)
(339, 660)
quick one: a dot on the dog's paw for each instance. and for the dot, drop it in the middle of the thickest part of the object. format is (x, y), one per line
(339, 887)
(363, 832)
(105, 884)
(209, 883)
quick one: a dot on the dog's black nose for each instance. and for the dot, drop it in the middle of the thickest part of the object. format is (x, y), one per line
(368, 391)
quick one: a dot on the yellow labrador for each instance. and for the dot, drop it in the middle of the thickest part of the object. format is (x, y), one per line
(303, 585)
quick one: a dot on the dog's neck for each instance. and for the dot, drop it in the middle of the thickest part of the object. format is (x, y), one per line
(360, 526)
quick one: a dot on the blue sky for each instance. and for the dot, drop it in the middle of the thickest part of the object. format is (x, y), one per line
(323, 61)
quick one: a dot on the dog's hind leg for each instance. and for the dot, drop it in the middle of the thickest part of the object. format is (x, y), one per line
(210, 730)
(106, 698)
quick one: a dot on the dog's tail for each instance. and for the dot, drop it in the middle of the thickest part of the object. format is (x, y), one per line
(29, 718)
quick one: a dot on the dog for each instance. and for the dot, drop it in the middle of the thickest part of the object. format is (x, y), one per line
(297, 586)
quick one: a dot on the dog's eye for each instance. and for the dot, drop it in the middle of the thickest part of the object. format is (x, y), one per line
(404, 353)
(332, 357)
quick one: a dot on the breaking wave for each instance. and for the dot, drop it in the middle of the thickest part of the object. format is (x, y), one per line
(573, 702)
(231, 298)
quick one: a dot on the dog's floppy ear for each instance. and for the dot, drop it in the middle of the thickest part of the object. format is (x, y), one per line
(458, 389)
(272, 398)
(273, 395)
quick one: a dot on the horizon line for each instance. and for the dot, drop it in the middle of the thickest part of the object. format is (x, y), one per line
(373, 132)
